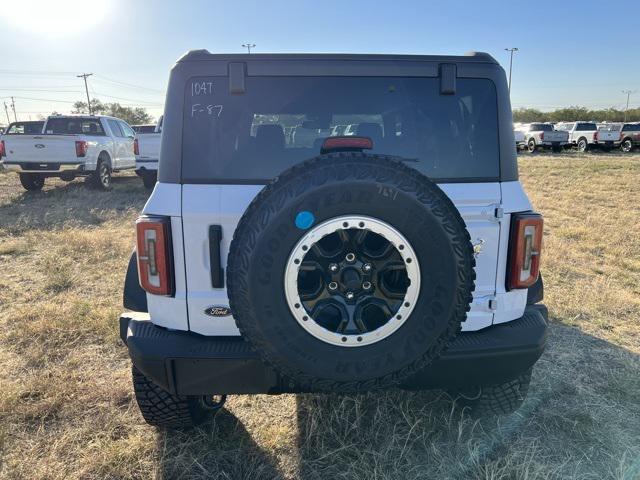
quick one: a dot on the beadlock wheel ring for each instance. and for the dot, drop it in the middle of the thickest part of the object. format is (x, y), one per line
(402, 258)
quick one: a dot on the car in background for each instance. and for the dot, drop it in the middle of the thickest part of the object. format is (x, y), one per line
(70, 146)
(625, 136)
(24, 128)
(542, 135)
(149, 128)
(147, 150)
(582, 135)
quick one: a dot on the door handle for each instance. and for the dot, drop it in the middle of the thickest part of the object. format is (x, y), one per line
(217, 272)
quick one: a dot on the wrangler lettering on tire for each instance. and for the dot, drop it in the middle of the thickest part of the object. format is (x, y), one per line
(371, 292)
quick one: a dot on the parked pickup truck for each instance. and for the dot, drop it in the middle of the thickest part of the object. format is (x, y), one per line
(68, 147)
(623, 135)
(147, 155)
(542, 135)
(582, 135)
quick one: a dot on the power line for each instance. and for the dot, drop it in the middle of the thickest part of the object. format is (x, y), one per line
(117, 82)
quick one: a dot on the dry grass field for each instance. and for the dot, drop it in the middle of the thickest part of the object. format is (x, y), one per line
(66, 404)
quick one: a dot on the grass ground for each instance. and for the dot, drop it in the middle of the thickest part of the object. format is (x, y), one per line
(66, 405)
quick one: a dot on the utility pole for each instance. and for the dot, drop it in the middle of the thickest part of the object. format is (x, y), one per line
(628, 94)
(249, 46)
(510, 50)
(86, 88)
(6, 111)
(13, 106)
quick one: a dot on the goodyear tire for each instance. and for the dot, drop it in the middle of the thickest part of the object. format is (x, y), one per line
(350, 272)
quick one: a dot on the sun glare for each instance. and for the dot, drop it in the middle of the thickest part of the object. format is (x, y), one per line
(62, 17)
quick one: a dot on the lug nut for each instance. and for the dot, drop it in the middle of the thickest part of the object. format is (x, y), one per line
(366, 285)
(333, 286)
(350, 296)
(366, 268)
(351, 257)
(333, 268)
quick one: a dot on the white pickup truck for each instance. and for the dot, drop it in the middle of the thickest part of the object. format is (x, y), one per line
(582, 135)
(625, 136)
(543, 135)
(70, 146)
(147, 155)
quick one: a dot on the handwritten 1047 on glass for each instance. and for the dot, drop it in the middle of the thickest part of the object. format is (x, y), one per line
(200, 88)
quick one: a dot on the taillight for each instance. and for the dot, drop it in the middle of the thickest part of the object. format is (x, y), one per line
(136, 147)
(2, 149)
(332, 144)
(81, 148)
(542, 136)
(524, 250)
(155, 258)
(595, 136)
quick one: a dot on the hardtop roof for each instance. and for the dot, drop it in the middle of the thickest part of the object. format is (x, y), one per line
(205, 55)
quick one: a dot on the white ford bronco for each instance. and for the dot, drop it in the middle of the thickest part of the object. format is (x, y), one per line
(404, 255)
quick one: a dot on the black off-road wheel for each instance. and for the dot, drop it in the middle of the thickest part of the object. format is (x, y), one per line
(350, 272)
(149, 179)
(32, 181)
(161, 409)
(101, 178)
(492, 400)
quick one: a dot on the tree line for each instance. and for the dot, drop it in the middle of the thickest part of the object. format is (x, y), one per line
(131, 115)
(528, 115)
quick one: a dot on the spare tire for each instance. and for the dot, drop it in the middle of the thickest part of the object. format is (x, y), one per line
(350, 272)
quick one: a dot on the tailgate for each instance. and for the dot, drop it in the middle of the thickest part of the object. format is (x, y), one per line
(607, 136)
(149, 146)
(40, 148)
(556, 136)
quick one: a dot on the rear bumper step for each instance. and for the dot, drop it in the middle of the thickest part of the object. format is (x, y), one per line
(186, 363)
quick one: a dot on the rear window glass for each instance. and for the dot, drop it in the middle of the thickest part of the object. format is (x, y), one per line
(614, 127)
(632, 128)
(26, 128)
(281, 121)
(541, 127)
(144, 128)
(73, 125)
(583, 127)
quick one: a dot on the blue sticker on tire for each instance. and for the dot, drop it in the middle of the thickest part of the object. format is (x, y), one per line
(304, 220)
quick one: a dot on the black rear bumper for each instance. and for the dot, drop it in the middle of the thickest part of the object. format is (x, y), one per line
(185, 363)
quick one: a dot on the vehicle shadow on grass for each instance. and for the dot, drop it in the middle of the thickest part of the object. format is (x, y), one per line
(221, 448)
(580, 419)
(69, 204)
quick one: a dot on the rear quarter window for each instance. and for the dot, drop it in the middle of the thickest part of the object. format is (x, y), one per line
(280, 121)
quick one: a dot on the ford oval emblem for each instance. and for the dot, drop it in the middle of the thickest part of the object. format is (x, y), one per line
(39, 145)
(218, 311)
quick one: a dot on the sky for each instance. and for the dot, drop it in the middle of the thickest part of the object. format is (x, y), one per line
(570, 52)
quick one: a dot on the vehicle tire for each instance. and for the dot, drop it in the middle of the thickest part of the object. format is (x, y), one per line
(101, 178)
(626, 146)
(500, 399)
(321, 223)
(531, 145)
(32, 181)
(583, 145)
(149, 179)
(164, 410)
